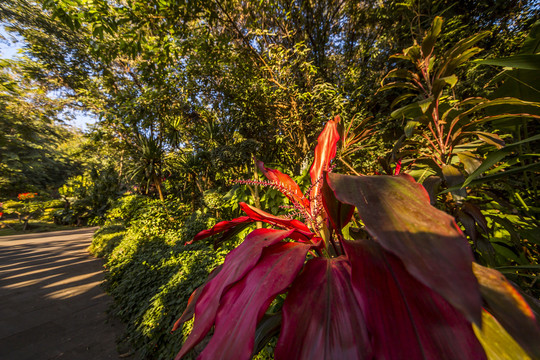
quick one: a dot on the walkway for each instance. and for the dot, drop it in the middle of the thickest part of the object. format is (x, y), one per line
(51, 302)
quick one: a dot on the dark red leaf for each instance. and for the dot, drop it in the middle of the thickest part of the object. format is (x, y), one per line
(292, 190)
(237, 264)
(245, 302)
(325, 151)
(406, 320)
(220, 227)
(261, 215)
(338, 213)
(510, 309)
(397, 213)
(321, 316)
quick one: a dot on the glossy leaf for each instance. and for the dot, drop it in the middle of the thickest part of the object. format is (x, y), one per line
(495, 157)
(338, 213)
(431, 37)
(509, 308)
(220, 227)
(246, 301)
(454, 177)
(287, 185)
(397, 213)
(521, 61)
(404, 317)
(325, 151)
(497, 343)
(321, 316)
(260, 215)
(237, 264)
(470, 161)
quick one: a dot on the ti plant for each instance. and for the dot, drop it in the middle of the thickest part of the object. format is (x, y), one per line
(464, 144)
(401, 287)
(442, 131)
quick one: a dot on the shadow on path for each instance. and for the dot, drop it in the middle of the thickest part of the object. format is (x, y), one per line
(52, 304)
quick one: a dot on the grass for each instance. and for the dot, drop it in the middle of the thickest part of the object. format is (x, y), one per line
(14, 227)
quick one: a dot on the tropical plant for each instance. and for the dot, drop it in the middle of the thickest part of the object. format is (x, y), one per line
(334, 291)
(25, 209)
(466, 145)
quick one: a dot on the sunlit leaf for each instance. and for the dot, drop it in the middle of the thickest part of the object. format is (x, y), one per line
(497, 343)
(521, 61)
(431, 37)
(246, 301)
(509, 308)
(237, 264)
(397, 213)
(406, 319)
(325, 151)
(288, 186)
(321, 316)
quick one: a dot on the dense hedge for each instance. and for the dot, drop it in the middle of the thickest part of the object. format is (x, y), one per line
(151, 273)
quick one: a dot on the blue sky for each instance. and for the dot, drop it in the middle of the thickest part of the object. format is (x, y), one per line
(10, 48)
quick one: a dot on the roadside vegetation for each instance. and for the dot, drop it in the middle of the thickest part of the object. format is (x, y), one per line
(229, 128)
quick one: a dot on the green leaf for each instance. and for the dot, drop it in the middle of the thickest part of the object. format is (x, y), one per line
(522, 61)
(495, 157)
(470, 161)
(497, 343)
(431, 37)
(409, 128)
(509, 308)
(413, 110)
(454, 177)
(490, 138)
(400, 98)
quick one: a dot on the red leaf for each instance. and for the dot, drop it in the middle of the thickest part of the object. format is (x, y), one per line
(245, 303)
(220, 227)
(507, 305)
(397, 213)
(406, 319)
(325, 151)
(237, 264)
(338, 213)
(261, 215)
(292, 190)
(321, 316)
(192, 301)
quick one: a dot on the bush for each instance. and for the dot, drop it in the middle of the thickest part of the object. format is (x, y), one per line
(150, 272)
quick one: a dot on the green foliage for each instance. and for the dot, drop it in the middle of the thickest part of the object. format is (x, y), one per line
(150, 271)
(89, 196)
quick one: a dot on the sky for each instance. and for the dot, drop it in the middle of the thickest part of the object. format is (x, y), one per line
(10, 48)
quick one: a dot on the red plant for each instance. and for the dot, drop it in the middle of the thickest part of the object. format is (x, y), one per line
(26, 196)
(401, 289)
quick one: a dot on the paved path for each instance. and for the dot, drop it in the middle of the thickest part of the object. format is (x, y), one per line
(51, 302)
